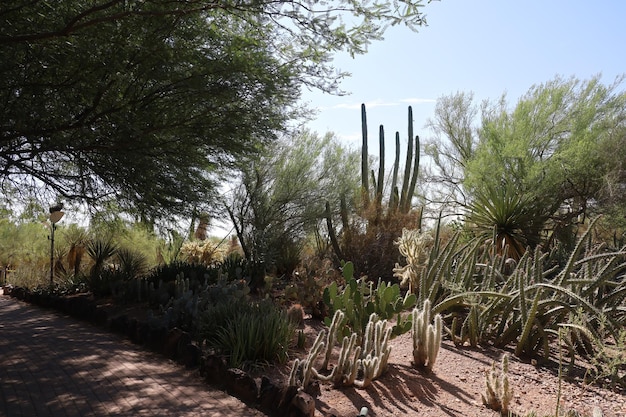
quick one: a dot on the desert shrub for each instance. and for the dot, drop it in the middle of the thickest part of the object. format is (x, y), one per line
(169, 272)
(368, 242)
(205, 252)
(307, 284)
(105, 282)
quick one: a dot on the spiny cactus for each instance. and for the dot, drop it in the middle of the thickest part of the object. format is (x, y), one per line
(368, 361)
(334, 329)
(348, 363)
(426, 337)
(303, 371)
(498, 392)
(376, 350)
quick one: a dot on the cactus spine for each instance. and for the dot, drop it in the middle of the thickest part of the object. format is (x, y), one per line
(426, 337)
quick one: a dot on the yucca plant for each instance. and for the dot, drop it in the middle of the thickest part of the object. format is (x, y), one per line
(100, 250)
(514, 221)
(132, 263)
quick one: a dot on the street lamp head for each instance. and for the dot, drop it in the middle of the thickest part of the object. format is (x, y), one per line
(57, 207)
(55, 216)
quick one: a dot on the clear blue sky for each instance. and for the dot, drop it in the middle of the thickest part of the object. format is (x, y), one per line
(484, 46)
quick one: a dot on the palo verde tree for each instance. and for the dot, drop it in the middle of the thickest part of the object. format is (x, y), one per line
(145, 101)
(279, 201)
(541, 164)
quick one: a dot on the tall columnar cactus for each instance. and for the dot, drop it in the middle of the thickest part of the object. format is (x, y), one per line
(364, 159)
(426, 337)
(400, 200)
(498, 392)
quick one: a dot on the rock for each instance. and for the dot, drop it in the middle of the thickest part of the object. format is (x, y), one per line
(241, 385)
(269, 395)
(332, 413)
(302, 405)
(170, 346)
(213, 369)
(190, 355)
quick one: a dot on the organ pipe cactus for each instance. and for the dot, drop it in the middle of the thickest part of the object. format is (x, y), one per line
(411, 167)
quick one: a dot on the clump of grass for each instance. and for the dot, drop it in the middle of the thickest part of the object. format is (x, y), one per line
(255, 334)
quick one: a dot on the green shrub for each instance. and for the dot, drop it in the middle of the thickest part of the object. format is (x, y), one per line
(251, 333)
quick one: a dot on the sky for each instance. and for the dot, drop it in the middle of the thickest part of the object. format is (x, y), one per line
(488, 47)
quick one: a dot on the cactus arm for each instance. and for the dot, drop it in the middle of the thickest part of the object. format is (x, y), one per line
(411, 190)
(381, 166)
(364, 159)
(393, 197)
(331, 233)
(409, 159)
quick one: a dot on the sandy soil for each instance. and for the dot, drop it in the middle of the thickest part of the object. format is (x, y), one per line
(455, 386)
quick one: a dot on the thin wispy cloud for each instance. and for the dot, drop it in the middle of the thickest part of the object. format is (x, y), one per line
(418, 100)
(380, 103)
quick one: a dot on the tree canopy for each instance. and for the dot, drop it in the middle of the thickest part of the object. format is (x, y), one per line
(548, 152)
(280, 198)
(145, 101)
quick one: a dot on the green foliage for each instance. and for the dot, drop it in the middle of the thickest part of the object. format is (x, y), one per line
(307, 286)
(280, 196)
(96, 132)
(25, 251)
(254, 333)
(514, 221)
(541, 149)
(359, 299)
(608, 363)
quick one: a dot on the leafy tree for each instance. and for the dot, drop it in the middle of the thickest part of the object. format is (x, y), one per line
(452, 147)
(281, 195)
(143, 101)
(548, 152)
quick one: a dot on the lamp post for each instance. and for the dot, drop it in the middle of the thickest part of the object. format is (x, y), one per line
(55, 216)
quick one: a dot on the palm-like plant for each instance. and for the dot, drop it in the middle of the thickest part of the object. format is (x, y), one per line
(514, 220)
(100, 250)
